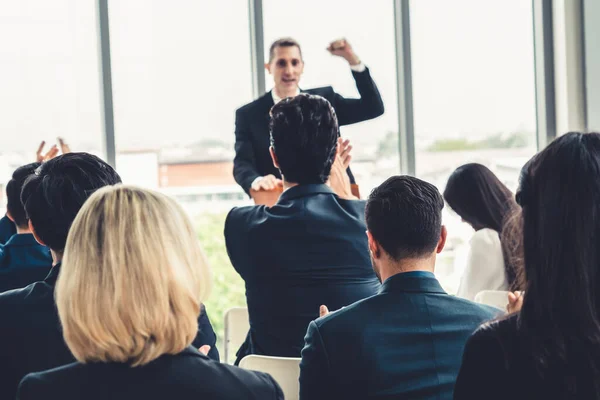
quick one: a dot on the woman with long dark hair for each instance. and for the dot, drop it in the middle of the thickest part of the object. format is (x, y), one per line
(485, 203)
(551, 348)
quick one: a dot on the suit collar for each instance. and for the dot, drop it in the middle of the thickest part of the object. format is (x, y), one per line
(53, 275)
(308, 189)
(23, 239)
(415, 282)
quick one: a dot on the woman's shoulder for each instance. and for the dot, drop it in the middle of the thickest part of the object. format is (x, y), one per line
(485, 237)
(501, 331)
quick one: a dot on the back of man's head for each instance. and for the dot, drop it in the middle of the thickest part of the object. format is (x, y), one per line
(14, 207)
(404, 215)
(304, 132)
(53, 195)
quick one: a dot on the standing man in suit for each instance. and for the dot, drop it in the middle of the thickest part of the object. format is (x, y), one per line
(407, 341)
(252, 165)
(308, 249)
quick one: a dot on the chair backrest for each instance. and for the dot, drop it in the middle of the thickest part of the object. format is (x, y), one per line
(237, 326)
(21, 277)
(494, 298)
(285, 371)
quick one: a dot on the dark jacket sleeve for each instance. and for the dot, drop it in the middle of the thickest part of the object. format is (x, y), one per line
(368, 106)
(244, 163)
(315, 382)
(7, 229)
(482, 371)
(206, 335)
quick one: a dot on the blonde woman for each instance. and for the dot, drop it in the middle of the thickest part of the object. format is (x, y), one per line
(129, 294)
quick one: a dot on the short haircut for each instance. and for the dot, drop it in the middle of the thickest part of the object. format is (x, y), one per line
(53, 195)
(13, 193)
(404, 215)
(132, 279)
(304, 132)
(283, 42)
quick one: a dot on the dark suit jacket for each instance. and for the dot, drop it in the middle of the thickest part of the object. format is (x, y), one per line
(404, 343)
(497, 364)
(7, 229)
(307, 250)
(23, 261)
(31, 338)
(188, 375)
(252, 158)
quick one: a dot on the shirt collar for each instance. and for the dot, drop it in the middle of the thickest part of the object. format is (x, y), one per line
(22, 239)
(413, 281)
(277, 99)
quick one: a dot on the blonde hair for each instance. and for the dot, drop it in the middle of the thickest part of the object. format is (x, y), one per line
(132, 278)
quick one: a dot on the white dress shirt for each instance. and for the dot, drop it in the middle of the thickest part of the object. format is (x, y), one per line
(485, 265)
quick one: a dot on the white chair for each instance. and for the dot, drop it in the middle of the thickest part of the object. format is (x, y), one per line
(237, 326)
(285, 371)
(494, 298)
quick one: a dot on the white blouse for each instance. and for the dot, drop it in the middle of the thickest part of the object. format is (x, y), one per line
(485, 265)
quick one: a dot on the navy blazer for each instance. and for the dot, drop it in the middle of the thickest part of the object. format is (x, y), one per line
(7, 229)
(31, 337)
(404, 343)
(308, 249)
(188, 375)
(23, 261)
(252, 158)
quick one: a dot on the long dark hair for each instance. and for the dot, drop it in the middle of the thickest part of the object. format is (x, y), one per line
(560, 318)
(482, 200)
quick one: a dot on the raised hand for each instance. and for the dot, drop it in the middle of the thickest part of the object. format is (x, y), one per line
(342, 48)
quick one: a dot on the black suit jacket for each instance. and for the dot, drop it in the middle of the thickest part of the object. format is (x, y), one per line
(188, 375)
(7, 229)
(252, 139)
(23, 261)
(403, 343)
(31, 337)
(498, 364)
(307, 250)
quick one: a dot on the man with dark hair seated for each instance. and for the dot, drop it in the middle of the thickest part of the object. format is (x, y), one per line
(30, 336)
(407, 341)
(308, 249)
(22, 259)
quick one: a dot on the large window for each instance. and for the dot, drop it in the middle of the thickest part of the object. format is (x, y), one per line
(49, 75)
(370, 30)
(474, 93)
(180, 70)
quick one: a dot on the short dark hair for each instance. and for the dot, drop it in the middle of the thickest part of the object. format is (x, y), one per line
(13, 193)
(53, 195)
(304, 132)
(283, 42)
(404, 215)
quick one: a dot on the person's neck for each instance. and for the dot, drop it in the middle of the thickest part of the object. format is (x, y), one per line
(283, 93)
(287, 185)
(23, 231)
(393, 267)
(56, 257)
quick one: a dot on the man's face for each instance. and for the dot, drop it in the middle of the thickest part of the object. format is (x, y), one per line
(286, 67)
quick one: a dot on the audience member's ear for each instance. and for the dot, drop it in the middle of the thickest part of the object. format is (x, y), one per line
(374, 248)
(442, 242)
(32, 229)
(10, 217)
(274, 157)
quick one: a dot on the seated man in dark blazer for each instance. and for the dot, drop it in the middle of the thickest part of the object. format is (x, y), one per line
(252, 165)
(30, 336)
(308, 249)
(406, 342)
(22, 259)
